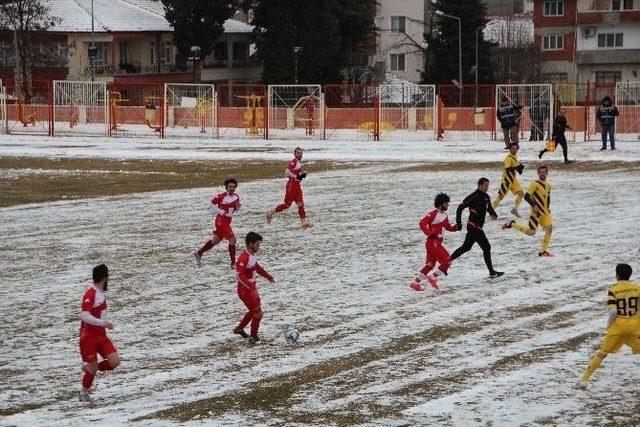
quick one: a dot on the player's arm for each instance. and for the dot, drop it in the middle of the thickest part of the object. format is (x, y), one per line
(449, 226)
(87, 317)
(264, 273)
(214, 206)
(612, 305)
(243, 274)
(461, 207)
(425, 224)
(234, 209)
(528, 195)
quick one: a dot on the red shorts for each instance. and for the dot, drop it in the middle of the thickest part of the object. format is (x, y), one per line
(293, 193)
(250, 298)
(90, 347)
(223, 229)
(436, 252)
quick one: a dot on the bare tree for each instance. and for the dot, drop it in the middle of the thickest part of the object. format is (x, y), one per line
(516, 57)
(26, 19)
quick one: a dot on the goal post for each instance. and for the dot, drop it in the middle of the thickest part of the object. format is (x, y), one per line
(628, 103)
(535, 118)
(190, 110)
(295, 111)
(3, 108)
(80, 108)
(407, 112)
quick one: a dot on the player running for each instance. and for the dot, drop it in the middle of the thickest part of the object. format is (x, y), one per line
(479, 203)
(510, 182)
(296, 173)
(623, 327)
(225, 205)
(539, 197)
(432, 226)
(248, 288)
(93, 334)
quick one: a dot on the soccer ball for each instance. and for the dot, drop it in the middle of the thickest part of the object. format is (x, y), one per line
(291, 335)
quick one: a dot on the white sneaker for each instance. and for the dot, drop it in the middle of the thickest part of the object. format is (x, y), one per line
(84, 396)
(198, 257)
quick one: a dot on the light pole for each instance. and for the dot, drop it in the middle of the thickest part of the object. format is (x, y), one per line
(441, 13)
(92, 50)
(296, 51)
(195, 58)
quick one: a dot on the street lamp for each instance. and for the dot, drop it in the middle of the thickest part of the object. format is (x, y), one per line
(194, 57)
(296, 51)
(93, 50)
(441, 13)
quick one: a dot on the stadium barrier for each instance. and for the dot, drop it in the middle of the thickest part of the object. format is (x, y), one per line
(331, 112)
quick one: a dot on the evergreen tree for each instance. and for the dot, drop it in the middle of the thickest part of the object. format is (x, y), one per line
(328, 31)
(197, 23)
(442, 63)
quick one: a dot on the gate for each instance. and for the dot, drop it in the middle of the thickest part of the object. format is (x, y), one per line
(407, 112)
(535, 118)
(628, 102)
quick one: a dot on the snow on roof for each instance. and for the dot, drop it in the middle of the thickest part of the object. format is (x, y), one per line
(509, 31)
(119, 16)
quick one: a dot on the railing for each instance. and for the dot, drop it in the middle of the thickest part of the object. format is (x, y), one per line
(133, 68)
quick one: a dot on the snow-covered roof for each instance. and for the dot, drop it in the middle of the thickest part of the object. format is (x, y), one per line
(119, 16)
(510, 31)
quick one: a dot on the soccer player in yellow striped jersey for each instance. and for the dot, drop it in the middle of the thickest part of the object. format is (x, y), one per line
(539, 197)
(510, 183)
(623, 327)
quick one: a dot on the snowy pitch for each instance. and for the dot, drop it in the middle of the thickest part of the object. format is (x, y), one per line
(504, 351)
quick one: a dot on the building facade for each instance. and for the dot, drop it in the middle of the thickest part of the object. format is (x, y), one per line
(132, 42)
(400, 44)
(588, 40)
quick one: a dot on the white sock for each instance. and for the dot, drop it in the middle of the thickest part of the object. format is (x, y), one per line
(437, 273)
(421, 276)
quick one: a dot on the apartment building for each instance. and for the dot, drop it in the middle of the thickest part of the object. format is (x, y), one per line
(588, 40)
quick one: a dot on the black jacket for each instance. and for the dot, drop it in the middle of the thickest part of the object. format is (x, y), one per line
(479, 204)
(607, 114)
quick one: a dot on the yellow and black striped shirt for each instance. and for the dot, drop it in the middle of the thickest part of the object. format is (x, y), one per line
(623, 299)
(540, 195)
(509, 173)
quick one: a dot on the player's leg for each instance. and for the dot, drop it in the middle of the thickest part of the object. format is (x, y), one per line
(245, 297)
(89, 354)
(529, 229)
(546, 222)
(484, 244)
(502, 191)
(444, 261)
(232, 248)
(430, 262)
(516, 189)
(563, 143)
(111, 359)
(611, 344)
(286, 204)
(469, 240)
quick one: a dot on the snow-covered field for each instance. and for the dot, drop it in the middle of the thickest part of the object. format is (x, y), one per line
(506, 351)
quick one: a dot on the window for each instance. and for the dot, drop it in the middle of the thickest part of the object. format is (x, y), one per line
(610, 40)
(102, 54)
(555, 78)
(608, 76)
(124, 52)
(397, 62)
(553, 8)
(621, 4)
(553, 43)
(398, 24)
(160, 52)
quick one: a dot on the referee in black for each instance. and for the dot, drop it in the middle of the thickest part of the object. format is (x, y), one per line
(478, 203)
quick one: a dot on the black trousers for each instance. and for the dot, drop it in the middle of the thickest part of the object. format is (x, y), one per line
(475, 235)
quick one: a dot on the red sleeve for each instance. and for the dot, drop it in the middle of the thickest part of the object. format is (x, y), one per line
(216, 199)
(264, 273)
(88, 299)
(450, 227)
(426, 222)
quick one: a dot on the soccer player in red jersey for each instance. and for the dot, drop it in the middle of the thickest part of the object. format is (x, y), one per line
(225, 205)
(433, 226)
(248, 288)
(296, 173)
(93, 334)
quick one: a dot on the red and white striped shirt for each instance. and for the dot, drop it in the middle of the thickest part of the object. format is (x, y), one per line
(225, 205)
(434, 223)
(294, 169)
(246, 265)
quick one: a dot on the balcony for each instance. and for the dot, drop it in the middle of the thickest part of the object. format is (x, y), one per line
(133, 68)
(235, 63)
(600, 11)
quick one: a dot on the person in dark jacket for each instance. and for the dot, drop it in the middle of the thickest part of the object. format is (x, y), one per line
(479, 203)
(507, 114)
(606, 114)
(560, 125)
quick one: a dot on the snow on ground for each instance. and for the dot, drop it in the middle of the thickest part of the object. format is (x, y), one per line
(505, 352)
(422, 151)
